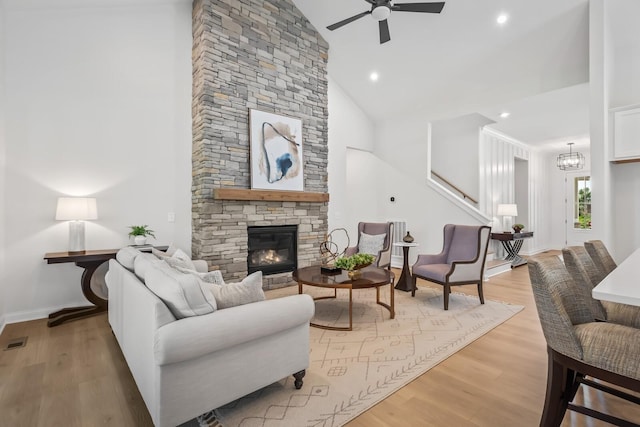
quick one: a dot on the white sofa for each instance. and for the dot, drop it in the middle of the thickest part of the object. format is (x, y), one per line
(186, 367)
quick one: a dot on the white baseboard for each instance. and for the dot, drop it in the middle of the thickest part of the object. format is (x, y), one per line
(2, 324)
(534, 252)
(41, 313)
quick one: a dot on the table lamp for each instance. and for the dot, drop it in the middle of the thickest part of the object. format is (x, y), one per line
(507, 211)
(76, 210)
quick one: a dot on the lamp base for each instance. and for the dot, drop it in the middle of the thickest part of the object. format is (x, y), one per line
(76, 237)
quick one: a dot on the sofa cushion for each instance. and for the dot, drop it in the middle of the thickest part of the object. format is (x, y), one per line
(143, 263)
(371, 243)
(247, 291)
(126, 256)
(184, 294)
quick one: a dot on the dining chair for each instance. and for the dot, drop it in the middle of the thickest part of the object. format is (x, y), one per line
(601, 256)
(580, 349)
(374, 238)
(461, 261)
(586, 276)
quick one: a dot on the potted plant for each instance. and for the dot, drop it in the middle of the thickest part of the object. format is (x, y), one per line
(518, 227)
(140, 233)
(354, 263)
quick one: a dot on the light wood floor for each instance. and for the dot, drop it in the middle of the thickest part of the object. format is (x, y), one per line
(75, 375)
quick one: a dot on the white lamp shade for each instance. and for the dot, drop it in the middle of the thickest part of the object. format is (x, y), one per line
(76, 208)
(508, 210)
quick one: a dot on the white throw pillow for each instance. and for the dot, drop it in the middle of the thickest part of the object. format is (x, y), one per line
(245, 292)
(214, 276)
(179, 259)
(371, 243)
(184, 294)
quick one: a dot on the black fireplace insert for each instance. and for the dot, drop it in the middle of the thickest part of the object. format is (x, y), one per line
(273, 249)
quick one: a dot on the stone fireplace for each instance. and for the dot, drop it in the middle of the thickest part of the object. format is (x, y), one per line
(260, 54)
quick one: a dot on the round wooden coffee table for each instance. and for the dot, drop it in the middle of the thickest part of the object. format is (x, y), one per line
(372, 277)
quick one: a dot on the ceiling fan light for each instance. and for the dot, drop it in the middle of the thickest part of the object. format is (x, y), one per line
(381, 13)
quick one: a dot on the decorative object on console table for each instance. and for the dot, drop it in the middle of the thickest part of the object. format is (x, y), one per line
(405, 282)
(276, 151)
(408, 238)
(507, 211)
(140, 233)
(95, 264)
(512, 243)
(517, 228)
(76, 210)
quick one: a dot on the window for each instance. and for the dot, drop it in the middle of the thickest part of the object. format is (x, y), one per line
(582, 202)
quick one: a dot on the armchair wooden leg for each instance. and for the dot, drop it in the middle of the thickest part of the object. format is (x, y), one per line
(447, 291)
(480, 292)
(414, 286)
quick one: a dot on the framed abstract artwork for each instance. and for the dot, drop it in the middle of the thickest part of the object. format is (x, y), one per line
(276, 152)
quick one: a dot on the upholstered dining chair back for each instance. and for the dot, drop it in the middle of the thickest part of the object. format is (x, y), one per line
(585, 275)
(601, 256)
(560, 304)
(383, 257)
(579, 348)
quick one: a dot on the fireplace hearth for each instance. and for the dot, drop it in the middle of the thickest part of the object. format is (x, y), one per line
(272, 249)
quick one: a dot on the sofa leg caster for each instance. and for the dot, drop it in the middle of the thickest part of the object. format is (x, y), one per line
(298, 376)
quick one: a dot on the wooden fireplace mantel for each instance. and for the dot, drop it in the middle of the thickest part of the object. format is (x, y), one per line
(269, 195)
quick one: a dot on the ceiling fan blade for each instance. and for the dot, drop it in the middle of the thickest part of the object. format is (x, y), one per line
(418, 7)
(348, 20)
(384, 31)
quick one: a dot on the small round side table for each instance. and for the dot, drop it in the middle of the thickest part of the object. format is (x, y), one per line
(405, 280)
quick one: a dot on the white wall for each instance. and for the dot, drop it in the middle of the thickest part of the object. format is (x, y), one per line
(361, 183)
(615, 82)
(402, 143)
(3, 298)
(351, 137)
(98, 102)
(455, 150)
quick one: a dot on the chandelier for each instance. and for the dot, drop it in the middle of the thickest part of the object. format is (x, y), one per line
(570, 160)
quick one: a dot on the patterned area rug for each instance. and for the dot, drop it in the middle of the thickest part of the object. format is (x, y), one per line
(351, 371)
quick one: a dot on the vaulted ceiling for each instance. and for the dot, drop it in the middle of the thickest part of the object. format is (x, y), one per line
(462, 61)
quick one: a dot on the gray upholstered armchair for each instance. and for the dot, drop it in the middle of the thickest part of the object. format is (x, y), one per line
(374, 238)
(461, 261)
(579, 347)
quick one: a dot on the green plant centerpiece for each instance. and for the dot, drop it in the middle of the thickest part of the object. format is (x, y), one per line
(140, 233)
(354, 263)
(518, 227)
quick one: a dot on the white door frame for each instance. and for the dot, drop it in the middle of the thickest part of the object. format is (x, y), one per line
(573, 236)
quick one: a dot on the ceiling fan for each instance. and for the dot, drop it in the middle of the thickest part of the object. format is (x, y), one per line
(381, 9)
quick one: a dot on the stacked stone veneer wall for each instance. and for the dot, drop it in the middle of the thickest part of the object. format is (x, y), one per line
(263, 55)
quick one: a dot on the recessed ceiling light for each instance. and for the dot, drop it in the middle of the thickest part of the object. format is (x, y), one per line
(502, 18)
(374, 76)
(504, 115)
